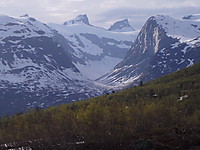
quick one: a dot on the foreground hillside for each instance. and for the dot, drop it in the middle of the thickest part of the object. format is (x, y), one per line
(162, 114)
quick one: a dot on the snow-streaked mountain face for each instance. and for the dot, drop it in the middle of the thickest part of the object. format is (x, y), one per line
(121, 26)
(24, 26)
(95, 50)
(80, 19)
(36, 68)
(164, 45)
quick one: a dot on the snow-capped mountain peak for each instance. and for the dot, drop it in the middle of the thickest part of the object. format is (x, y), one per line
(80, 19)
(180, 29)
(164, 45)
(36, 67)
(23, 27)
(121, 26)
(96, 50)
(25, 16)
(194, 17)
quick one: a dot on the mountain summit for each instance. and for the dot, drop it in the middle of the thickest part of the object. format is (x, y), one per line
(41, 66)
(164, 45)
(25, 15)
(80, 19)
(36, 67)
(121, 26)
(95, 50)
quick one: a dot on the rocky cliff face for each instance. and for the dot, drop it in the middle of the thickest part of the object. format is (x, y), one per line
(164, 45)
(121, 26)
(80, 19)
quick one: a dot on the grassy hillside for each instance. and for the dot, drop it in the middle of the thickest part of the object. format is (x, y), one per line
(162, 114)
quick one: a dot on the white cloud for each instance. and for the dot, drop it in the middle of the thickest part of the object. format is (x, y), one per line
(100, 12)
(139, 15)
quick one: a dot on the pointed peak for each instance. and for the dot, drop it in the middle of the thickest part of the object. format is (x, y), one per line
(82, 16)
(26, 15)
(78, 20)
(121, 26)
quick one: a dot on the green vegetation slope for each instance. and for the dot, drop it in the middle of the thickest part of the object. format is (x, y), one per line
(161, 114)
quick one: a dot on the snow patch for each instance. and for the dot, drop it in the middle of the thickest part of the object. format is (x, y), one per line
(191, 62)
(179, 29)
(94, 69)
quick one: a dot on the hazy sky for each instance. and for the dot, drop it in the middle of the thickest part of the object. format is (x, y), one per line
(100, 12)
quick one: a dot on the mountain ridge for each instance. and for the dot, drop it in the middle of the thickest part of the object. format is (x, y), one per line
(163, 45)
(121, 26)
(55, 64)
(96, 50)
(36, 71)
(80, 19)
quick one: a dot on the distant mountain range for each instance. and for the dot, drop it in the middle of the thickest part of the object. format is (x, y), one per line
(41, 66)
(45, 65)
(96, 50)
